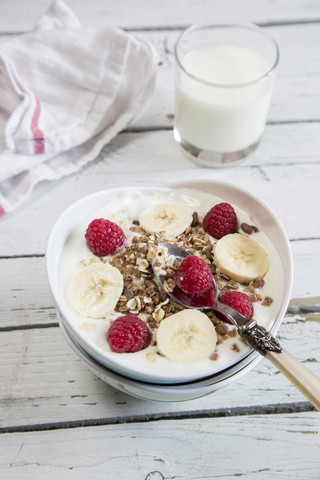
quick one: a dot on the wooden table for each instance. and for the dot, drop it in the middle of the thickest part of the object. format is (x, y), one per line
(57, 419)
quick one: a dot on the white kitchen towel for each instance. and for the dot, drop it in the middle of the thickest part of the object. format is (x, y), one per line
(65, 91)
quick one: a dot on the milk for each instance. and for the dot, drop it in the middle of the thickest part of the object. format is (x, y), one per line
(225, 118)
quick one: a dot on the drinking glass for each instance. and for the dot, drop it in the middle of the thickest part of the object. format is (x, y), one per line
(224, 79)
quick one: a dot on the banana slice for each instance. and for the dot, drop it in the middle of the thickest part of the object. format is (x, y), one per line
(95, 290)
(171, 218)
(186, 337)
(241, 258)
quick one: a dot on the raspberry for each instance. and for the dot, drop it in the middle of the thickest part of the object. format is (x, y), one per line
(104, 237)
(239, 301)
(194, 275)
(128, 334)
(220, 220)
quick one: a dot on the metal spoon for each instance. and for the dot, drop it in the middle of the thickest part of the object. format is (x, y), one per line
(256, 335)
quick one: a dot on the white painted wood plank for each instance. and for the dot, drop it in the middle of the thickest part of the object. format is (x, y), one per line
(25, 298)
(43, 381)
(17, 15)
(263, 447)
(296, 94)
(286, 156)
(306, 261)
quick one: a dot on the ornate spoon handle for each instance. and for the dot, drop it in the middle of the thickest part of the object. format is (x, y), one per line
(298, 374)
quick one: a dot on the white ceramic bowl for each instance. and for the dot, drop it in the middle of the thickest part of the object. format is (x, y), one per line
(149, 391)
(76, 213)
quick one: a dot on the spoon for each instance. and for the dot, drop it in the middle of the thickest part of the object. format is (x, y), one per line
(255, 335)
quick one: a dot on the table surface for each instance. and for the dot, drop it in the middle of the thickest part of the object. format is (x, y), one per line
(57, 419)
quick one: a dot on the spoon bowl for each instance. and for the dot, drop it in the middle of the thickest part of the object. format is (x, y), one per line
(205, 300)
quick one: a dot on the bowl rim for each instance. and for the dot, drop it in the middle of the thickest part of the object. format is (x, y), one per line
(200, 184)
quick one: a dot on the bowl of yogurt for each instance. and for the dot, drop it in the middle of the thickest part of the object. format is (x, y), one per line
(92, 292)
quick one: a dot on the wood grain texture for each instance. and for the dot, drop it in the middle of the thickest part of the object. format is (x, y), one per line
(196, 449)
(156, 14)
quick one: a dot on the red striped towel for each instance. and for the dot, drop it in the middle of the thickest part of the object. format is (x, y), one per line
(64, 95)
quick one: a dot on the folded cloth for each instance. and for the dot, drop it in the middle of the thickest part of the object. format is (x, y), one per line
(65, 91)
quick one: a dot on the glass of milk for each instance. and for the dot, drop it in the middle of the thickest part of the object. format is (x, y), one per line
(224, 78)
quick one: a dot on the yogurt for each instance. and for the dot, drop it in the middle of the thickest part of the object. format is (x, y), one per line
(124, 209)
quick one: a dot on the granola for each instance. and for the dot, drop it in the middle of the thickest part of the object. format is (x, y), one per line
(143, 296)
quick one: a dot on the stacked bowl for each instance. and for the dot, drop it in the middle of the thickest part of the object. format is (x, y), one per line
(138, 378)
